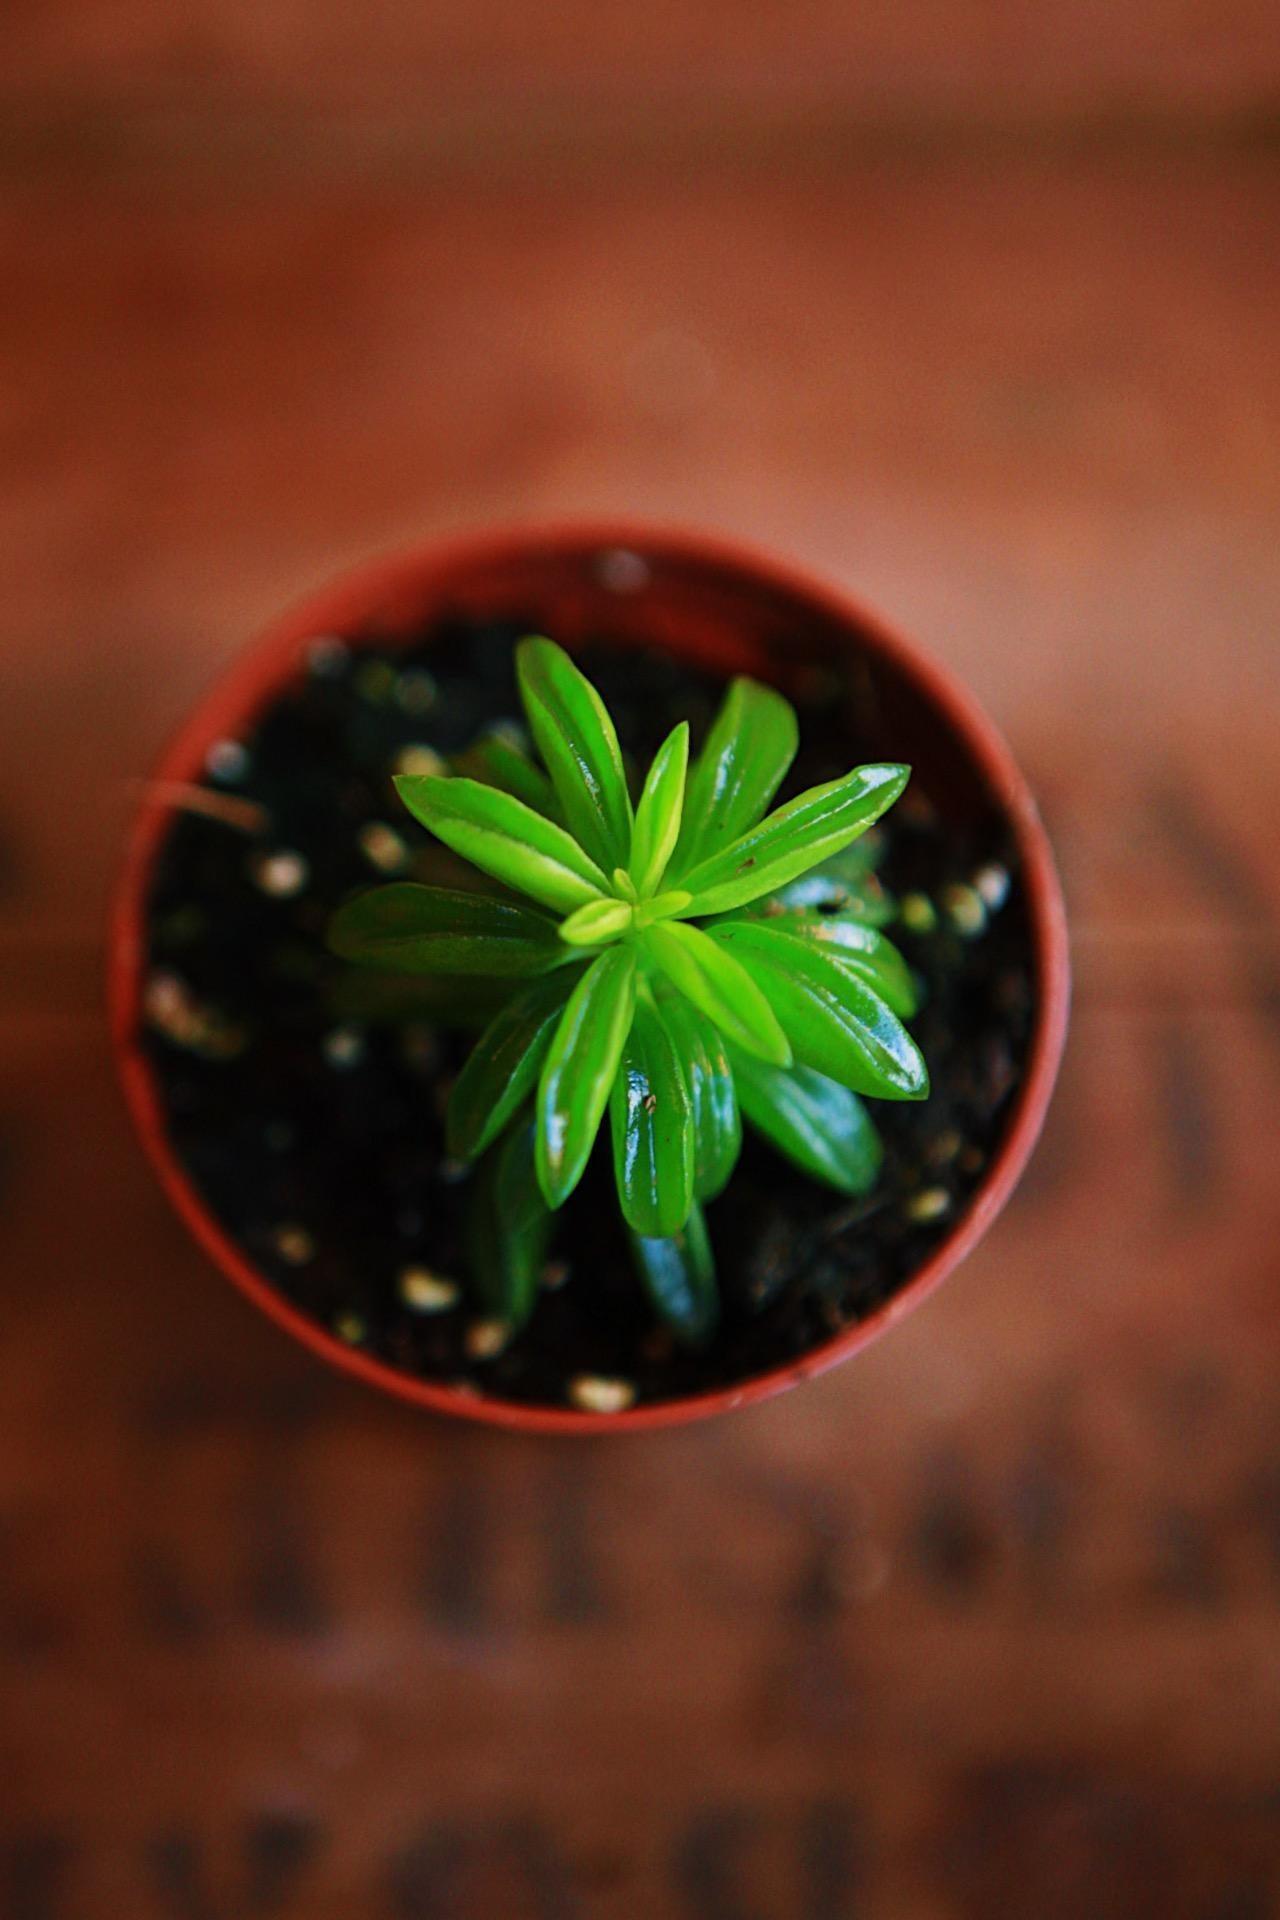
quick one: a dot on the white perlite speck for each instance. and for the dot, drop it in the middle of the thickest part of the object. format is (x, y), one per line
(593, 1393)
(282, 874)
(427, 1292)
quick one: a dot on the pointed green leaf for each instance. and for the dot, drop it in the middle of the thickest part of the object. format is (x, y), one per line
(578, 1074)
(678, 1274)
(862, 949)
(502, 1068)
(817, 1123)
(576, 739)
(415, 929)
(717, 1125)
(846, 883)
(834, 1021)
(494, 761)
(657, 824)
(508, 1230)
(505, 838)
(712, 978)
(662, 906)
(599, 920)
(808, 829)
(751, 744)
(652, 1123)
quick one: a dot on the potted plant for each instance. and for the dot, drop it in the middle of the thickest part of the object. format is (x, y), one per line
(450, 958)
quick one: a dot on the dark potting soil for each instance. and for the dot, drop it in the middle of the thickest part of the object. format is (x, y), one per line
(305, 1100)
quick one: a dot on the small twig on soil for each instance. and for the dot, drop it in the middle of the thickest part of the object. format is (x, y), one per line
(246, 816)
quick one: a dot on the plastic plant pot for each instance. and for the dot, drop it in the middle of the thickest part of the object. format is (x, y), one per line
(705, 601)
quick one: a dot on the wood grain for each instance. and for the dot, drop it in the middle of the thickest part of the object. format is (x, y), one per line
(974, 310)
(912, 62)
(327, 1640)
(1027, 413)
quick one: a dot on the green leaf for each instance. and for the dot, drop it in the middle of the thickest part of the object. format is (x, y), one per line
(416, 929)
(678, 1274)
(717, 1125)
(599, 920)
(847, 883)
(808, 829)
(862, 949)
(502, 1068)
(719, 987)
(652, 1122)
(509, 1228)
(576, 738)
(834, 1021)
(500, 834)
(661, 906)
(813, 1120)
(573, 1091)
(657, 824)
(494, 761)
(751, 744)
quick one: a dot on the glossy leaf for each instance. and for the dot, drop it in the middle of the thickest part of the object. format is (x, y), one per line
(846, 883)
(577, 741)
(834, 1021)
(658, 815)
(820, 1125)
(502, 1068)
(662, 906)
(751, 744)
(497, 763)
(573, 1091)
(505, 838)
(678, 1274)
(865, 951)
(598, 921)
(416, 929)
(509, 1228)
(652, 1123)
(713, 980)
(807, 830)
(717, 1125)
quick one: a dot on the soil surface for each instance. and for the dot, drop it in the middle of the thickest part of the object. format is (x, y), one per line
(305, 1102)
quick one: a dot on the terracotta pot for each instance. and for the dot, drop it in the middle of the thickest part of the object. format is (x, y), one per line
(707, 600)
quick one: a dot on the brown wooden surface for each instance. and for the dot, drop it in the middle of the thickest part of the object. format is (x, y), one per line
(988, 1623)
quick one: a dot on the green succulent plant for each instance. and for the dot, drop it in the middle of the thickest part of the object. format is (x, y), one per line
(679, 964)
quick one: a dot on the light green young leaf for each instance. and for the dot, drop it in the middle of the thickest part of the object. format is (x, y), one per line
(652, 1124)
(834, 1021)
(576, 738)
(505, 838)
(717, 1125)
(598, 921)
(678, 1274)
(813, 1120)
(657, 823)
(807, 830)
(415, 929)
(509, 1228)
(502, 1068)
(577, 1076)
(751, 744)
(713, 980)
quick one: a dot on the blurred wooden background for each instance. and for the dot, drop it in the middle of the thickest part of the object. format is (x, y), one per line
(974, 307)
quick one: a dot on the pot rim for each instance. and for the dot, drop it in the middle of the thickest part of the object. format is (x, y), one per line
(269, 661)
